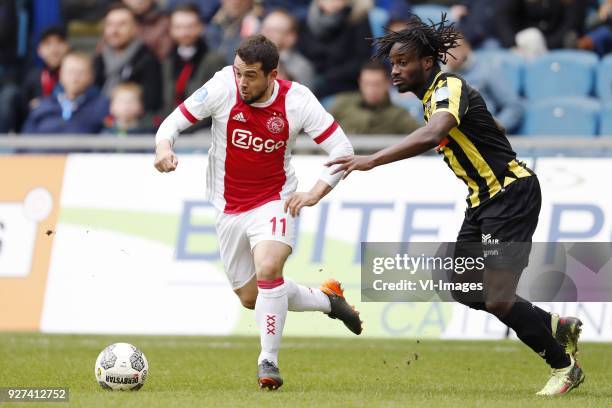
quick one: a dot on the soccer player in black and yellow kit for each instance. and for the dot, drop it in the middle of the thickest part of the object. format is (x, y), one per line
(504, 194)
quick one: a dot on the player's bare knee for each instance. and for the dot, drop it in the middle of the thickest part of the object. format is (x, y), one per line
(268, 269)
(498, 308)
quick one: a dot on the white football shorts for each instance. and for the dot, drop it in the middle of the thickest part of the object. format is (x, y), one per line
(239, 233)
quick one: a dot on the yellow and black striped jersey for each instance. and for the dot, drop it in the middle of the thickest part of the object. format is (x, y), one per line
(476, 150)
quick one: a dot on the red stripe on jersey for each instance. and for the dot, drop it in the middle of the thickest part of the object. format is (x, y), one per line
(326, 133)
(187, 114)
(270, 284)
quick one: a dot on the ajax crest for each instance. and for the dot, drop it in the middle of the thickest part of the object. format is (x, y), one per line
(275, 124)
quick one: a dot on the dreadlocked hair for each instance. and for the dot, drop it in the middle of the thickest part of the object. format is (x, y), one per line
(434, 39)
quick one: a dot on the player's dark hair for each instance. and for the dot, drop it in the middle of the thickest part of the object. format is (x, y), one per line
(428, 40)
(258, 48)
(53, 31)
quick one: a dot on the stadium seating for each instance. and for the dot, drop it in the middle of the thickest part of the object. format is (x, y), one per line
(603, 88)
(571, 116)
(328, 101)
(430, 12)
(509, 64)
(411, 104)
(378, 18)
(605, 128)
(560, 73)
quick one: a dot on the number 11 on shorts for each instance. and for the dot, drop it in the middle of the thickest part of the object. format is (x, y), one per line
(282, 221)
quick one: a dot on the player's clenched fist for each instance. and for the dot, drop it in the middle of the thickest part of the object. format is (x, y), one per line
(165, 159)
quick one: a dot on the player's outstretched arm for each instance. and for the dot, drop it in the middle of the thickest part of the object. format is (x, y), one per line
(165, 159)
(204, 102)
(416, 143)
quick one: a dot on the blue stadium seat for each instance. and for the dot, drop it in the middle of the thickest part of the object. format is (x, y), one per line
(603, 88)
(561, 73)
(409, 102)
(511, 65)
(328, 101)
(571, 116)
(430, 12)
(605, 128)
(378, 18)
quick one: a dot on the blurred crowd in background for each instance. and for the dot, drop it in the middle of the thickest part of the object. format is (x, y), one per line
(117, 68)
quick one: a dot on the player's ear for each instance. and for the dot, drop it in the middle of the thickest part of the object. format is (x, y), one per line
(273, 74)
(428, 63)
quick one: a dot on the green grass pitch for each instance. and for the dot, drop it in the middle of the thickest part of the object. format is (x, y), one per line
(220, 371)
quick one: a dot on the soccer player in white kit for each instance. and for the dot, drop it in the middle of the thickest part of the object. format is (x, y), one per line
(250, 181)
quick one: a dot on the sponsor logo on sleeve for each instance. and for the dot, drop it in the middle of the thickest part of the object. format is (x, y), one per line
(200, 95)
(441, 94)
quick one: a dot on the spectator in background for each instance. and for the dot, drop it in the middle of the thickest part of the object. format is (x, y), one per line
(297, 8)
(41, 81)
(127, 115)
(76, 106)
(370, 110)
(399, 13)
(333, 39)
(9, 91)
(237, 19)
(501, 99)
(89, 11)
(125, 58)
(599, 34)
(153, 26)
(282, 29)
(447, 3)
(559, 21)
(207, 8)
(191, 62)
(476, 19)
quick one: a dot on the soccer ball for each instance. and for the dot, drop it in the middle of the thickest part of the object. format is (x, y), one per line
(121, 366)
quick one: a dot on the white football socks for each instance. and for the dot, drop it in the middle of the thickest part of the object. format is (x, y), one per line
(270, 312)
(304, 299)
(274, 299)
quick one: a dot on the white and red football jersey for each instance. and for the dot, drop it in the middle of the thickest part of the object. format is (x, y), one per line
(249, 159)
